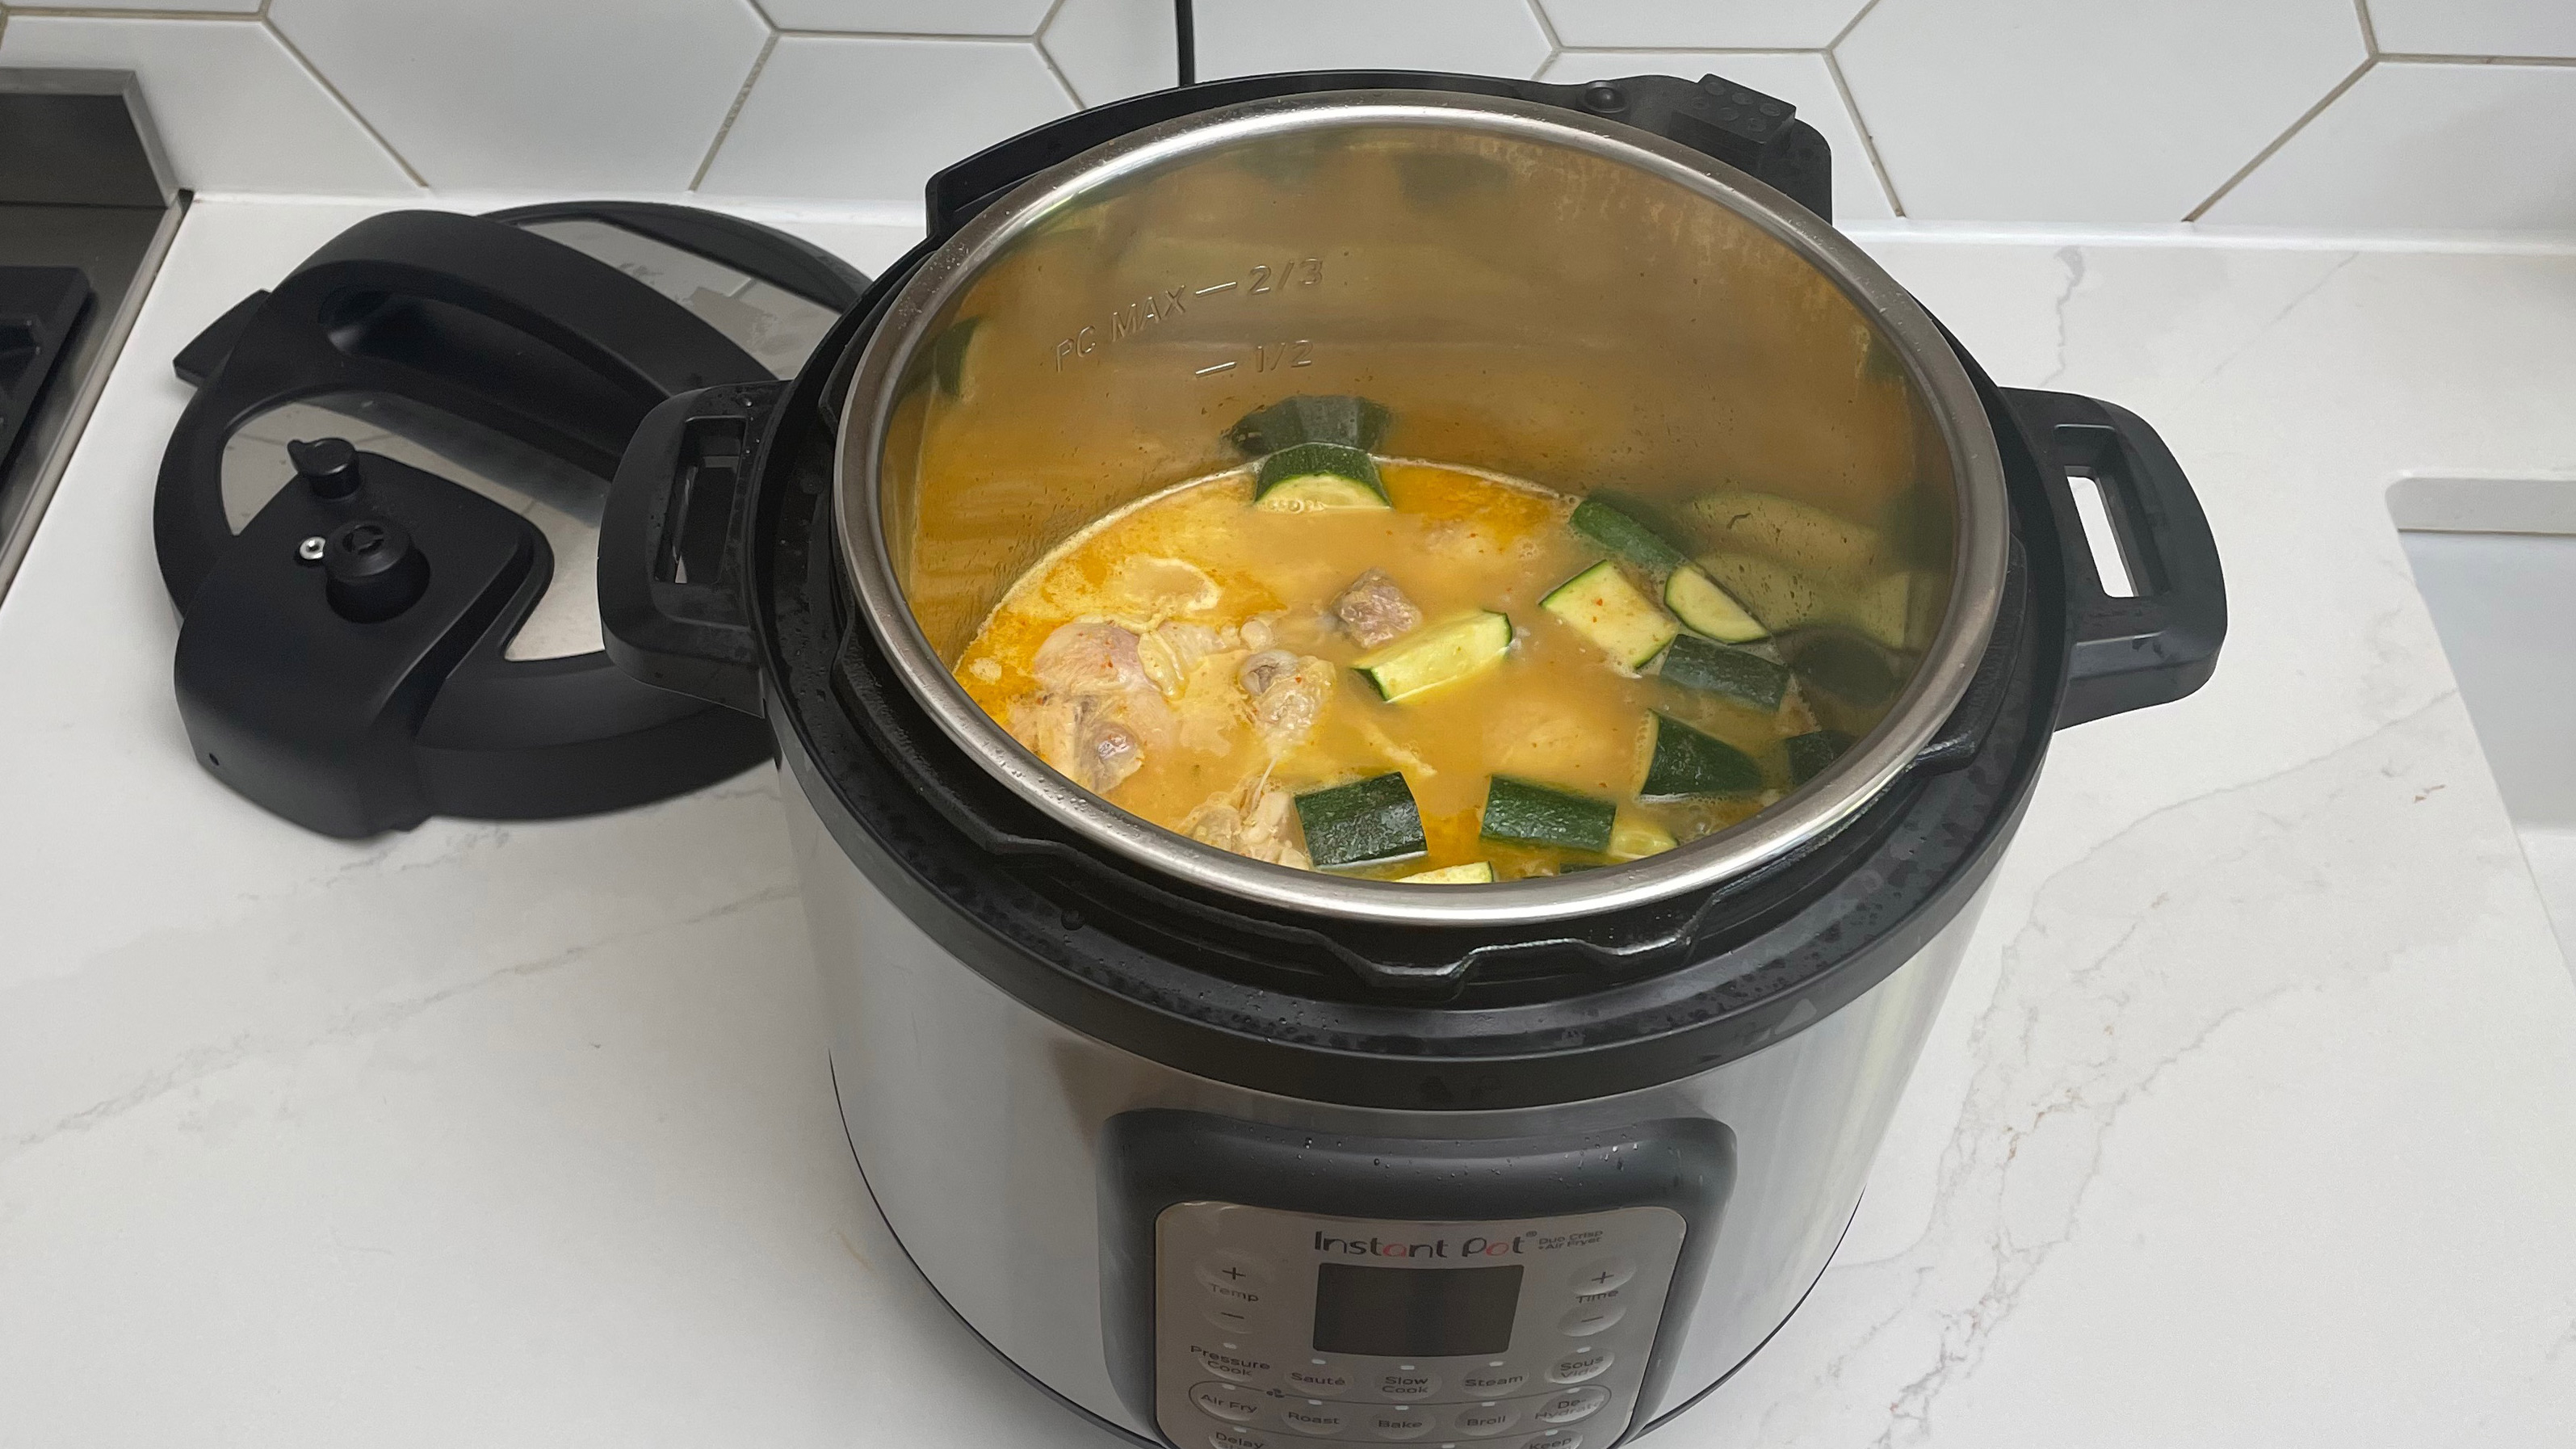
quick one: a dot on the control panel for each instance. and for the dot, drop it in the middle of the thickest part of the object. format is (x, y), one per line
(1278, 1328)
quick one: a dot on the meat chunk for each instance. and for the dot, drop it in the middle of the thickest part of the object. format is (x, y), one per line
(1375, 610)
(1286, 692)
(1096, 709)
(1089, 657)
(1259, 830)
(1173, 649)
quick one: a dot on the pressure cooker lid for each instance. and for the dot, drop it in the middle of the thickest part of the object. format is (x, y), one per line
(1529, 290)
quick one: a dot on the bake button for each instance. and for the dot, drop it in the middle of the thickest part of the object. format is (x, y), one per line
(1404, 1381)
(1397, 1423)
(1585, 1319)
(1603, 1274)
(1320, 1377)
(1228, 1402)
(1482, 1419)
(1230, 1363)
(1238, 1439)
(1314, 1416)
(1570, 1405)
(1492, 1381)
(1582, 1364)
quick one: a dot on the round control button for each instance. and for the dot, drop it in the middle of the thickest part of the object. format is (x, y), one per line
(1321, 1378)
(1585, 1319)
(1582, 1364)
(1404, 1382)
(1553, 1439)
(1603, 1274)
(1573, 1404)
(1491, 1382)
(1229, 1363)
(1238, 1439)
(1234, 1317)
(1226, 1268)
(1397, 1423)
(1479, 1420)
(1313, 1416)
(1227, 1402)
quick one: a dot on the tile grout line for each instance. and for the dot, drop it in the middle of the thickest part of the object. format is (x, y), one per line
(1037, 42)
(2369, 28)
(1848, 27)
(1691, 50)
(1868, 140)
(741, 97)
(2368, 63)
(790, 32)
(2438, 58)
(1556, 46)
(333, 91)
(66, 12)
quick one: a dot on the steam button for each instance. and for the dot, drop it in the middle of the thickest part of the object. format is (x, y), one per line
(1570, 1405)
(1320, 1377)
(1479, 1420)
(1313, 1416)
(1227, 1402)
(1603, 1275)
(1582, 1364)
(1397, 1422)
(1491, 1382)
(1590, 1317)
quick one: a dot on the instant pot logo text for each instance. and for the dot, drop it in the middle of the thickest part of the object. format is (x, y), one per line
(1134, 318)
(1473, 1245)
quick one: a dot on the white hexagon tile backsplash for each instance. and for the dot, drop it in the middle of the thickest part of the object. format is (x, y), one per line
(2336, 115)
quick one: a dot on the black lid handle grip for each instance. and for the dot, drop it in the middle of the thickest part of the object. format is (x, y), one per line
(2161, 643)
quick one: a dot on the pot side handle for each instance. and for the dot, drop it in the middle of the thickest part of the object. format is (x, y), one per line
(2162, 643)
(673, 607)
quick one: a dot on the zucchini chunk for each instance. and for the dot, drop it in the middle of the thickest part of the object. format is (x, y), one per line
(1625, 536)
(1687, 762)
(1634, 837)
(1811, 752)
(1739, 675)
(1367, 823)
(1601, 605)
(1350, 422)
(1441, 654)
(1474, 872)
(1319, 475)
(1704, 608)
(1535, 814)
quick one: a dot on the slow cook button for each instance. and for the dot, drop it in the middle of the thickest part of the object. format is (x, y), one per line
(1479, 1420)
(1238, 1439)
(1569, 1406)
(1228, 1364)
(1320, 1377)
(1396, 1423)
(1585, 1319)
(1405, 1382)
(1491, 1383)
(1582, 1364)
(1227, 1402)
(1312, 1416)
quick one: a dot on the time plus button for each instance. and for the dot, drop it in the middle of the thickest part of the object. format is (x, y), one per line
(1602, 1275)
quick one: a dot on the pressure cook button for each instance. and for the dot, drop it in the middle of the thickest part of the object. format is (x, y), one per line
(1238, 1439)
(1320, 1377)
(1480, 1420)
(1397, 1423)
(1570, 1405)
(1601, 1275)
(1230, 1363)
(1582, 1364)
(1227, 1402)
(1585, 1319)
(1404, 1382)
(1314, 1416)
(1492, 1381)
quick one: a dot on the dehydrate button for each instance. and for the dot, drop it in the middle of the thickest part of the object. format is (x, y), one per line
(1572, 1404)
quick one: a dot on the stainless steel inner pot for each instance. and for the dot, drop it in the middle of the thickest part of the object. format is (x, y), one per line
(1529, 290)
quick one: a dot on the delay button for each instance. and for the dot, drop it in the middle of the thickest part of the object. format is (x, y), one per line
(1238, 1439)
(1227, 1402)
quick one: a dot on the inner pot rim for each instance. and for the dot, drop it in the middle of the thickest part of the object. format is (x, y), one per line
(1817, 808)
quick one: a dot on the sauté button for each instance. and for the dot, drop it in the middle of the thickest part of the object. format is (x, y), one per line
(1309, 1416)
(1320, 1377)
(1238, 1439)
(1225, 1401)
(1398, 1423)
(1570, 1405)
(1406, 1383)
(1229, 1364)
(1582, 1364)
(1482, 1419)
(1491, 1382)
(1602, 1275)
(1586, 1319)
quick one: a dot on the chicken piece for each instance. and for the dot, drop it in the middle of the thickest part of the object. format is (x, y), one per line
(1286, 692)
(1173, 649)
(1096, 710)
(1374, 609)
(1089, 657)
(1260, 832)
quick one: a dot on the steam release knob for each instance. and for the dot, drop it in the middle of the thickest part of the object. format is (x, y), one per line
(374, 570)
(329, 466)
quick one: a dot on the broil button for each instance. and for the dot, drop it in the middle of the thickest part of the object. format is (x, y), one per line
(1479, 1420)
(1227, 1402)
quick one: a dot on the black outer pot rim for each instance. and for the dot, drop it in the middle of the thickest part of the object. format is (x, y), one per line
(1849, 912)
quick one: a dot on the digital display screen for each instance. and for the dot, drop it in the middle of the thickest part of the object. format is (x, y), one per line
(1414, 1312)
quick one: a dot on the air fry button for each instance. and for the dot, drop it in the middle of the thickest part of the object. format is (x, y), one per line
(1228, 1402)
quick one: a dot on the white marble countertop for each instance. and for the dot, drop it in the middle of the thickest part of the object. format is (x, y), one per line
(2250, 1121)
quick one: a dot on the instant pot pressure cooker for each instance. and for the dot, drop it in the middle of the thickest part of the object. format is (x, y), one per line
(1229, 1155)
